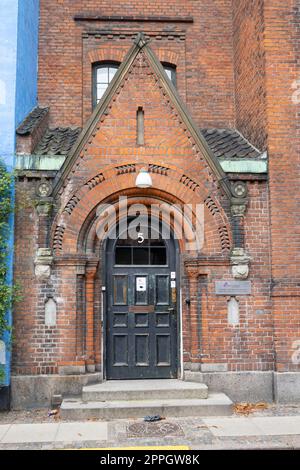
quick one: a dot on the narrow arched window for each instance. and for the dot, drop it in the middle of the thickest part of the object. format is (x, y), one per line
(102, 76)
(170, 71)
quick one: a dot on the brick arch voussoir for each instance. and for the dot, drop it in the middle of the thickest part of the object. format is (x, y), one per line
(106, 54)
(113, 180)
(168, 56)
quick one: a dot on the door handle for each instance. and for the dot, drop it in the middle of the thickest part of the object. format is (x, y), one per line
(171, 309)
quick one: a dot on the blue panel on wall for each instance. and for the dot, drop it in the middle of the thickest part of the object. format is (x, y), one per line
(8, 57)
(18, 92)
(27, 58)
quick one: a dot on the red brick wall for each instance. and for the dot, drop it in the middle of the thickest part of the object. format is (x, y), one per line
(32, 344)
(250, 345)
(207, 337)
(249, 70)
(282, 70)
(205, 69)
(249, 82)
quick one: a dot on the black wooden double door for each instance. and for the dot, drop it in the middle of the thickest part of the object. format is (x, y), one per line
(142, 320)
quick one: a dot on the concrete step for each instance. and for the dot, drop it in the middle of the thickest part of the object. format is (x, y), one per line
(143, 390)
(217, 404)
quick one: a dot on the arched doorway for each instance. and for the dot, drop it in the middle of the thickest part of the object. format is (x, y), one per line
(142, 307)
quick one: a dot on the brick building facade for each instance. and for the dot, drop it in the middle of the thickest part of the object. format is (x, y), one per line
(223, 135)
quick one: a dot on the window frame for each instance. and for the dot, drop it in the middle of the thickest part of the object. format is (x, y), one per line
(173, 69)
(96, 67)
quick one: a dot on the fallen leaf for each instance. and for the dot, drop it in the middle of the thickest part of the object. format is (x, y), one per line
(204, 426)
(247, 408)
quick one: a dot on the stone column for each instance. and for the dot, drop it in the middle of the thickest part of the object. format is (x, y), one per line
(44, 208)
(89, 291)
(44, 205)
(239, 258)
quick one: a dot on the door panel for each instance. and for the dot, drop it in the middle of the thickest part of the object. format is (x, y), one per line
(163, 344)
(141, 320)
(120, 350)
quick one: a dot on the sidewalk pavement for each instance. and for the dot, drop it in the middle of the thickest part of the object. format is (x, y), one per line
(234, 432)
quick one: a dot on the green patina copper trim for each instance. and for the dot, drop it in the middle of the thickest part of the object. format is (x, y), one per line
(55, 162)
(244, 166)
(42, 162)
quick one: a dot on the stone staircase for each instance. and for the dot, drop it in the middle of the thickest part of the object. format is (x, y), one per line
(138, 398)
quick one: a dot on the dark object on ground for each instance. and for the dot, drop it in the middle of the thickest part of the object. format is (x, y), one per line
(153, 418)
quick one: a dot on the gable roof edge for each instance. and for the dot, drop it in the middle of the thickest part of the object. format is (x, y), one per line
(97, 113)
(212, 161)
(87, 131)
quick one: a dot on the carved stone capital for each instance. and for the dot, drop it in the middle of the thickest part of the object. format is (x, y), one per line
(43, 262)
(44, 206)
(240, 271)
(238, 207)
(240, 261)
(239, 256)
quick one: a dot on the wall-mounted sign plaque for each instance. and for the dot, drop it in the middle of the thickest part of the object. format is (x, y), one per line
(233, 287)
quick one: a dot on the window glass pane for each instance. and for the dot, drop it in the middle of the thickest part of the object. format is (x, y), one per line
(162, 290)
(169, 73)
(140, 256)
(120, 290)
(100, 91)
(102, 75)
(112, 72)
(158, 256)
(123, 256)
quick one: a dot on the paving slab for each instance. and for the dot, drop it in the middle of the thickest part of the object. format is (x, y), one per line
(252, 426)
(22, 433)
(233, 427)
(70, 432)
(284, 425)
(3, 430)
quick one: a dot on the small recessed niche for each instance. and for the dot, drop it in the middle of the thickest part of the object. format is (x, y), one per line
(50, 312)
(233, 311)
(140, 126)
